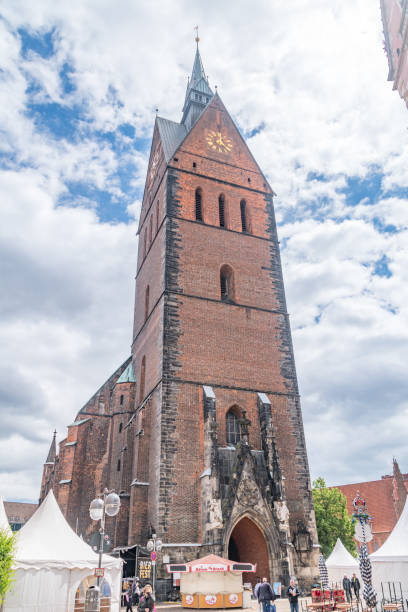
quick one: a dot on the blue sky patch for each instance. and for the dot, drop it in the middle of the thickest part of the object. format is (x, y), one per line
(366, 188)
(381, 267)
(40, 43)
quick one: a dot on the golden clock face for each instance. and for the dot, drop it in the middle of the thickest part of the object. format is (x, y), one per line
(218, 142)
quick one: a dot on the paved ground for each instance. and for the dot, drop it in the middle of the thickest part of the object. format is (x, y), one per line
(282, 605)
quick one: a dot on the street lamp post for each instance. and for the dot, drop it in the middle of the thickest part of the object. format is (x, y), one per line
(154, 545)
(108, 504)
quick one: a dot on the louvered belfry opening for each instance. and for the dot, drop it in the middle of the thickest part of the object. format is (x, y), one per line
(244, 223)
(221, 210)
(199, 204)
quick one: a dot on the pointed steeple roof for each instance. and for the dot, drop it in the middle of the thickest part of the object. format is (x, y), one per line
(198, 92)
(52, 453)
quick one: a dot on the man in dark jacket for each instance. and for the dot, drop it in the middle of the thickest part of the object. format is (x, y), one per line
(265, 595)
(293, 596)
(355, 583)
(347, 588)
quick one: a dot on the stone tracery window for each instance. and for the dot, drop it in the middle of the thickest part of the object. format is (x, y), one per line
(199, 204)
(227, 283)
(232, 428)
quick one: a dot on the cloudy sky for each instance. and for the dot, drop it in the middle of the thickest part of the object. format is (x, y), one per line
(306, 81)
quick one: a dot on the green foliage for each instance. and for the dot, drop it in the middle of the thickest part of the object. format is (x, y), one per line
(7, 552)
(332, 518)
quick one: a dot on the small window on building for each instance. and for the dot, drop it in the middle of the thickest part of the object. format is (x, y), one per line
(199, 205)
(121, 400)
(151, 229)
(232, 429)
(221, 210)
(244, 220)
(249, 180)
(227, 283)
(147, 295)
(194, 165)
(175, 159)
(120, 427)
(118, 466)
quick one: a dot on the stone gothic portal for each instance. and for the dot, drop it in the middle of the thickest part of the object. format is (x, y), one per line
(247, 544)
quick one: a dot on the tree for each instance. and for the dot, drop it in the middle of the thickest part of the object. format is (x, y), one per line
(332, 518)
(7, 552)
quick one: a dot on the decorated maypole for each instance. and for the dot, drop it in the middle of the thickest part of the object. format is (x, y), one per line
(363, 534)
(324, 576)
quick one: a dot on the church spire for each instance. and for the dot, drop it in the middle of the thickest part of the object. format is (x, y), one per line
(52, 453)
(198, 92)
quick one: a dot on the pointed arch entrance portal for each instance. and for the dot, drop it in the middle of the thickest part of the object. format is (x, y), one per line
(247, 544)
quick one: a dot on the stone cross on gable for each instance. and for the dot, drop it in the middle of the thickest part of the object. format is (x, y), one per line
(244, 424)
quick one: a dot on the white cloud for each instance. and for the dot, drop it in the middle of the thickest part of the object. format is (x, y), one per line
(311, 76)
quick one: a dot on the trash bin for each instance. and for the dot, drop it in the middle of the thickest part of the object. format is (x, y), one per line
(92, 601)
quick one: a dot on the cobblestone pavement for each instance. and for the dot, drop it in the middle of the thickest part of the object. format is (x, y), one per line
(282, 605)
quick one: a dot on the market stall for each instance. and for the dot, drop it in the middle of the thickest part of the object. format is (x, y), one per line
(341, 563)
(390, 561)
(211, 582)
(54, 566)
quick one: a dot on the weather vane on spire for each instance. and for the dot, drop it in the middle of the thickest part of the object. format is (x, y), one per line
(197, 38)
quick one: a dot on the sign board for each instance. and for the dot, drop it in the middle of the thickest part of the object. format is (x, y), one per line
(153, 555)
(145, 569)
(99, 572)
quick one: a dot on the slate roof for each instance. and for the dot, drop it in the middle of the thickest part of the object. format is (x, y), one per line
(171, 134)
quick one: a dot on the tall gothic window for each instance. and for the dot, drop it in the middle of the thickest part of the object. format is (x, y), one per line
(199, 205)
(147, 294)
(221, 210)
(151, 229)
(142, 379)
(244, 216)
(145, 242)
(227, 283)
(157, 216)
(232, 429)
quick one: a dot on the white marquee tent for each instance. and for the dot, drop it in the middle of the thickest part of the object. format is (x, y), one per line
(52, 561)
(390, 561)
(341, 563)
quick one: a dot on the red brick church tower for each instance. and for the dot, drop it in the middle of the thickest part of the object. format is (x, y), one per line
(201, 431)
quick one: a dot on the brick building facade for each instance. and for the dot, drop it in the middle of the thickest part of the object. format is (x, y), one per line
(200, 430)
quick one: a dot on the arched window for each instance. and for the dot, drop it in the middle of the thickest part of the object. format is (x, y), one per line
(121, 400)
(120, 427)
(232, 429)
(199, 205)
(151, 229)
(118, 466)
(142, 379)
(244, 216)
(147, 294)
(227, 283)
(221, 210)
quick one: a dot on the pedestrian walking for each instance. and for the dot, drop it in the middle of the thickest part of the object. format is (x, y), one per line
(256, 589)
(266, 595)
(293, 596)
(355, 583)
(347, 588)
(128, 599)
(135, 592)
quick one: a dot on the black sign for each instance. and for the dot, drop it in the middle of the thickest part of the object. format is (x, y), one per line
(144, 570)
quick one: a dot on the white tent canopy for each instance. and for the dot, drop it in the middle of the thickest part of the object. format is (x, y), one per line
(390, 561)
(4, 524)
(51, 562)
(341, 563)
